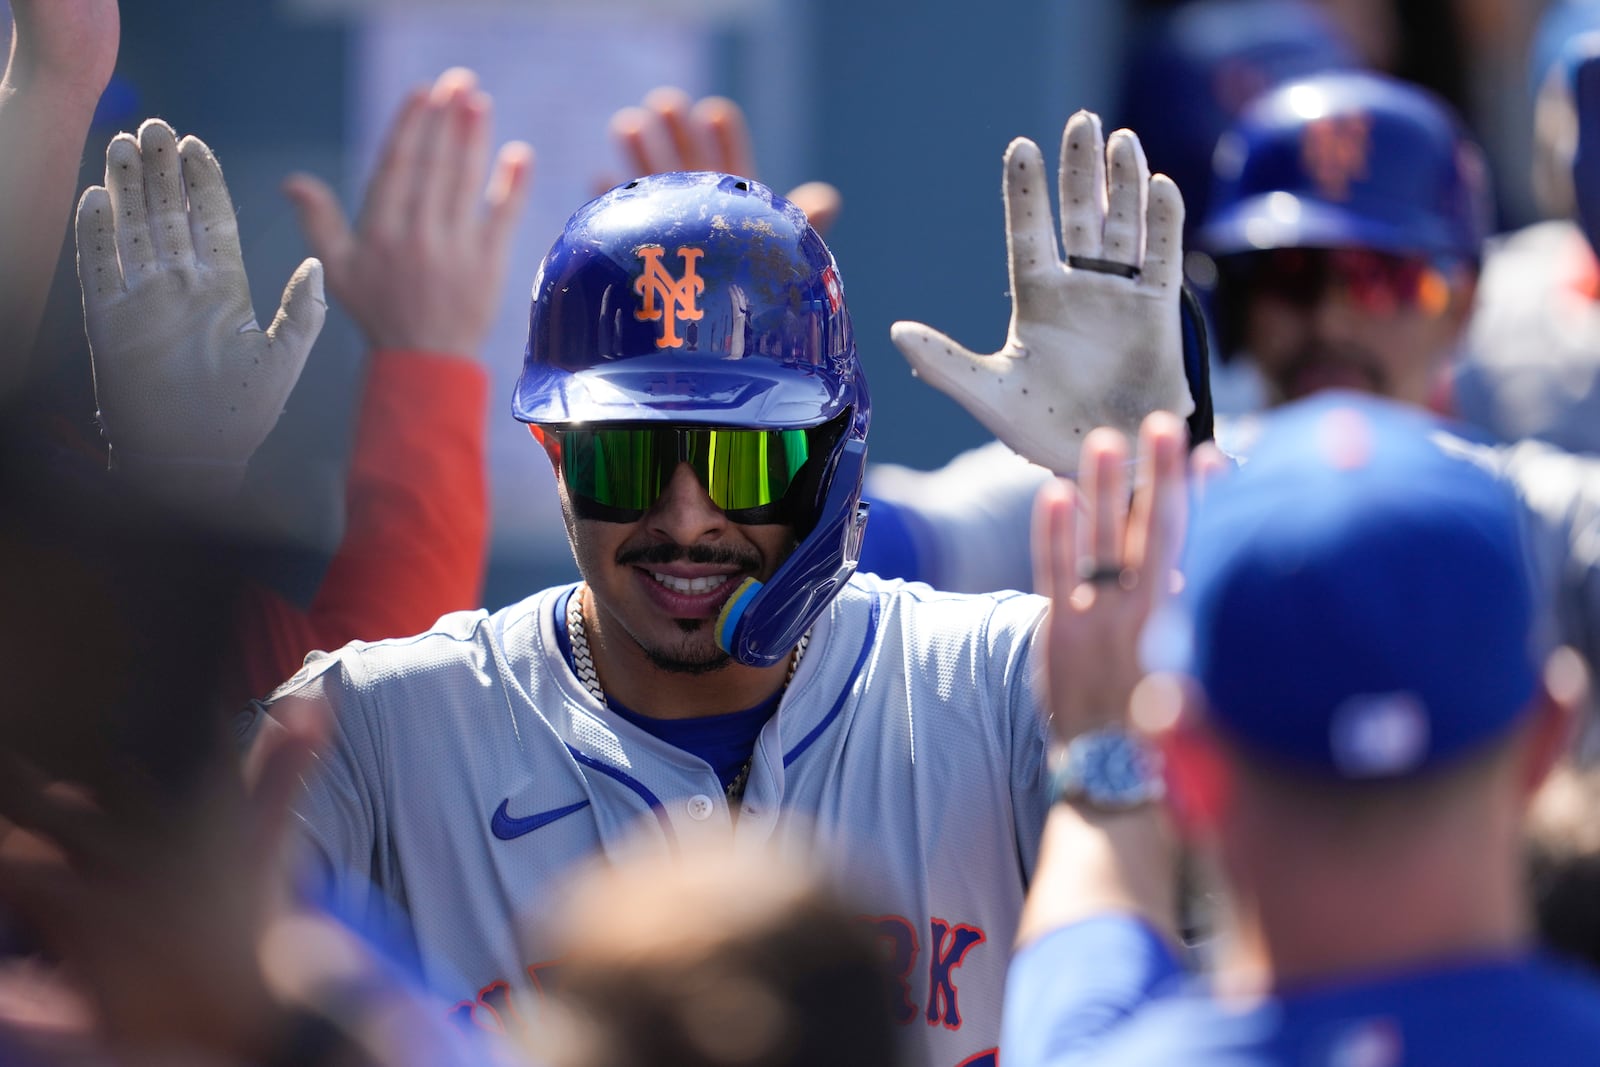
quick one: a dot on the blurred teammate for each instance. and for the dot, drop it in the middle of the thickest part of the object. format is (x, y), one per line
(1533, 361)
(1347, 223)
(1364, 713)
(716, 957)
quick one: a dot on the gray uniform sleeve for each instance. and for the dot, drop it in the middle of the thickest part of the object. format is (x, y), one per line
(1016, 643)
(974, 513)
(1562, 495)
(341, 814)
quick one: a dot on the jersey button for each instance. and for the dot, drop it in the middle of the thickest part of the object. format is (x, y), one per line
(700, 807)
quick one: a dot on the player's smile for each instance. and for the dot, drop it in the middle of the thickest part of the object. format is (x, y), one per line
(696, 584)
(663, 579)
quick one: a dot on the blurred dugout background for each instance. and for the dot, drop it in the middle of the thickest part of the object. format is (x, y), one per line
(907, 108)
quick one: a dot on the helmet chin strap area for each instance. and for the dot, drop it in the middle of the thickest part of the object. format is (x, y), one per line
(762, 621)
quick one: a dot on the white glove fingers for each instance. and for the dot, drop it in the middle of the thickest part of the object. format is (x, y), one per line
(125, 183)
(975, 380)
(299, 317)
(1128, 178)
(1083, 186)
(98, 272)
(213, 231)
(388, 202)
(1163, 253)
(163, 194)
(1030, 229)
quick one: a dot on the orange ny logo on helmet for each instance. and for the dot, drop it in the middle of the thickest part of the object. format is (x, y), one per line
(676, 295)
(1334, 151)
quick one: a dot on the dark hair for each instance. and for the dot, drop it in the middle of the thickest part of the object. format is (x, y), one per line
(720, 959)
(1564, 864)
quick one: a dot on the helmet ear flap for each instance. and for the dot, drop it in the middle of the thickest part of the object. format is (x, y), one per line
(762, 622)
(802, 504)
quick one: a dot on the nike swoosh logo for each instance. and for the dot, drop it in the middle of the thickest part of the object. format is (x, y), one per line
(508, 829)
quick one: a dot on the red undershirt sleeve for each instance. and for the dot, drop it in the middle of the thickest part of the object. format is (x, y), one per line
(417, 525)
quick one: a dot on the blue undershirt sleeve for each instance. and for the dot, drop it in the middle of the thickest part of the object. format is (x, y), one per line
(1067, 992)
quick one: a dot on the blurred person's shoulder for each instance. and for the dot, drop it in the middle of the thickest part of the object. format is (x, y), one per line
(1502, 1012)
(1531, 365)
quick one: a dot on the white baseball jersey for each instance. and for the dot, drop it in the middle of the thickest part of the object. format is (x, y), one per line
(1532, 361)
(471, 770)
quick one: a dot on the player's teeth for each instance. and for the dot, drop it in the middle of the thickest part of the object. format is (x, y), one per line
(690, 586)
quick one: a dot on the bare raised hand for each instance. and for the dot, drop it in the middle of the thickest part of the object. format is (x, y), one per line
(68, 46)
(670, 131)
(423, 267)
(62, 55)
(1106, 568)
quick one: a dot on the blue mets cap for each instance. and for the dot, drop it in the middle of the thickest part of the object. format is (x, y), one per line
(1360, 595)
(1348, 160)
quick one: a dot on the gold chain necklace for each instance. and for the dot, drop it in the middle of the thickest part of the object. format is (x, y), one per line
(583, 665)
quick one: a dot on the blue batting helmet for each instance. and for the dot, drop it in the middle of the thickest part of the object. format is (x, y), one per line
(704, 299)
(1348, 160)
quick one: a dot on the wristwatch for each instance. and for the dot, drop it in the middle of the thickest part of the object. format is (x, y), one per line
(1108, 770)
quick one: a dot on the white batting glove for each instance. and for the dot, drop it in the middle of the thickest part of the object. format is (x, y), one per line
(1094, 341)
(188, 384)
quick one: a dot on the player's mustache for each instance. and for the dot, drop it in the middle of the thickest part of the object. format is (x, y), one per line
(712, 555)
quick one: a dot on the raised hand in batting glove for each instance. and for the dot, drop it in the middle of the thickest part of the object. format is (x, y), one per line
(1095, 340)
(188, 384)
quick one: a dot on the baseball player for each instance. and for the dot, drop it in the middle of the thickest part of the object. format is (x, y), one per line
(692, 375)
(1362, 706)
(1532, 366)
(1343, 230)
(1346, 223)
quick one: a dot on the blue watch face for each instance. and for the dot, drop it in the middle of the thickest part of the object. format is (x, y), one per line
(1124, 768)
(1110, 769)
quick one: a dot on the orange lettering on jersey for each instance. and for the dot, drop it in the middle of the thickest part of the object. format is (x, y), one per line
(1334, 151)
(676, 296)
